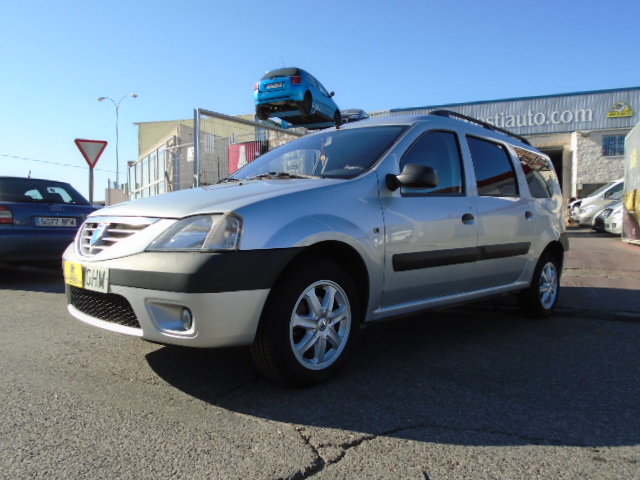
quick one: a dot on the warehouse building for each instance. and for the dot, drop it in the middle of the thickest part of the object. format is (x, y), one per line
(583, 133)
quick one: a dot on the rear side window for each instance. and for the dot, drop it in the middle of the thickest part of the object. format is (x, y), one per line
(495, 174)
(538, 172)
(439, 150)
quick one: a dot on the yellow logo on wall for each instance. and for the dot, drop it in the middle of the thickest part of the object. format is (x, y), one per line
(620, 109)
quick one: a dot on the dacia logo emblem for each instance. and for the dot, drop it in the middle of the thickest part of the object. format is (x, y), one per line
(56, 208)
(98, 233)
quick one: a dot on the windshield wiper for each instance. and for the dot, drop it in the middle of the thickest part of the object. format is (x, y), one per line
(229, 179)
(278, 175)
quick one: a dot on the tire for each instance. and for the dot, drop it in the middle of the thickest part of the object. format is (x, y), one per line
(306, 105)
(337, 118)
(301, 341)
(541, 298)
(262, 113)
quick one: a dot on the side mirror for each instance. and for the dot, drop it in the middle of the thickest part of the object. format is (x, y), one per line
(413, 176)
(332, 94)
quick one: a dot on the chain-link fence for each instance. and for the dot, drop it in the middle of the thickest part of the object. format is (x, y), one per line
(229, 143)
(171, 160)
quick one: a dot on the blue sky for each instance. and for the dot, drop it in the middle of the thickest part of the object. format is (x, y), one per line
(59, 57)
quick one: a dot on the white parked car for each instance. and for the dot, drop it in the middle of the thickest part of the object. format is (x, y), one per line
(603, 193)
(588, 213)
(613, 223)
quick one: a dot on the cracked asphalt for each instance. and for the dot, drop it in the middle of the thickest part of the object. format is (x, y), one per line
(475, 392)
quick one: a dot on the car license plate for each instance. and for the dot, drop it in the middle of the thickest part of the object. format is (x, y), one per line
(87, 276)
(275, 85)
(55, 222)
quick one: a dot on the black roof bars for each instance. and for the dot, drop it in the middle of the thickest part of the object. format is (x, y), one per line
(450, 114)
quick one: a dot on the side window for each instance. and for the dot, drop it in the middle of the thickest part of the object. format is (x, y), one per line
(439, 150)
(538, 171)
(614, 190)
(495, 174)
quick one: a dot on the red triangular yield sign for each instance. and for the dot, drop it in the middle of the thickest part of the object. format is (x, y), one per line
(91, 149)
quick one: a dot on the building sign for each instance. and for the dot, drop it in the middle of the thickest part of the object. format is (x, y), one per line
(620, 109)
(599, 110)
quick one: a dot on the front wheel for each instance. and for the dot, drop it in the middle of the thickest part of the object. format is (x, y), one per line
(540, 299)
(308, 324)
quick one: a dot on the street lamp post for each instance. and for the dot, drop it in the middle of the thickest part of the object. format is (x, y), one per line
(117, 105)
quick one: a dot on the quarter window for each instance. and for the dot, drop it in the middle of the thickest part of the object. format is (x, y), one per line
(440, 151)
(538, 172)
(495, 175)
(613, 145)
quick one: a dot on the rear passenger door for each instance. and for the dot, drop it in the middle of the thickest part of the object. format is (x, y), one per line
(505, 216)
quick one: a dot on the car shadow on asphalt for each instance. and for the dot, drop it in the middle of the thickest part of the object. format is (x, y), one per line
(461, 376)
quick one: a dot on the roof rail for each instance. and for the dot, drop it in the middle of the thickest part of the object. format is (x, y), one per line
(450, 114)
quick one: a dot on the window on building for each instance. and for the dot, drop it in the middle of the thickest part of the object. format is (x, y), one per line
(495, 174)
(613, 145)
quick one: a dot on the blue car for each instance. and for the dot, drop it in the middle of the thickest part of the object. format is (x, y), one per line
(38, 219)
(296, 97)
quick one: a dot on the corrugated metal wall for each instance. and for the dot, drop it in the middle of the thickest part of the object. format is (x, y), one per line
(603, 110)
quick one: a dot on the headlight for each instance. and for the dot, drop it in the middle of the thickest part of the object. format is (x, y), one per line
(203, 233)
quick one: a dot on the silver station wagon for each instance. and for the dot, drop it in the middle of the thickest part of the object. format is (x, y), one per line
(294, 252)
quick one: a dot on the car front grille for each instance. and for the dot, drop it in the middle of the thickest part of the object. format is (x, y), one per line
(99, 234)
(109, 307)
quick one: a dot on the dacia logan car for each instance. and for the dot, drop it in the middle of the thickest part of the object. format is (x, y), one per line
(294, 252)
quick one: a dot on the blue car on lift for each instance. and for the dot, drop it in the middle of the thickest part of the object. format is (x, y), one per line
(296, 97)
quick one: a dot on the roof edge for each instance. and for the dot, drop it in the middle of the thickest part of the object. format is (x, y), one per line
(481, 102)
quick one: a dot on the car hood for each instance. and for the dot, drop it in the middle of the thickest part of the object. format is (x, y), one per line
(225, 197)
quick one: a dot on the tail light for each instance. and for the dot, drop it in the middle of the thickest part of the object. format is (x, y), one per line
(257, 87)
(297, 80)
(6, 216)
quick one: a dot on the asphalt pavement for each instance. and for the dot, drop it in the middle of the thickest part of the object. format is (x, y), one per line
(601, 277)
(438, 396)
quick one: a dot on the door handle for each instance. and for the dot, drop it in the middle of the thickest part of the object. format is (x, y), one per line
(528, 215)
(468, 218)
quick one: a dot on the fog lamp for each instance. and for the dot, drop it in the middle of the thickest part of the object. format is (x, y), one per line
(186, 318)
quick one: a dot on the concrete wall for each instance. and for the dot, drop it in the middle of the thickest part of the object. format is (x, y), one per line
(593, 167)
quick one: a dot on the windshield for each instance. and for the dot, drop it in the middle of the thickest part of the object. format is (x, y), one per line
(601, 189)
(331, 154)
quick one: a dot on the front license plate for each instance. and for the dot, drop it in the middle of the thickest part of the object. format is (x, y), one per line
(87, 276)
(274, 85)
(55, 222)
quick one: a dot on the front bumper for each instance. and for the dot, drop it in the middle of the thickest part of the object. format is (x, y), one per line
(223, 294)
(219, 319)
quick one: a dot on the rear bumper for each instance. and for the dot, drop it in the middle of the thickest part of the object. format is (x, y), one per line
(279, 96)
(25, 247)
